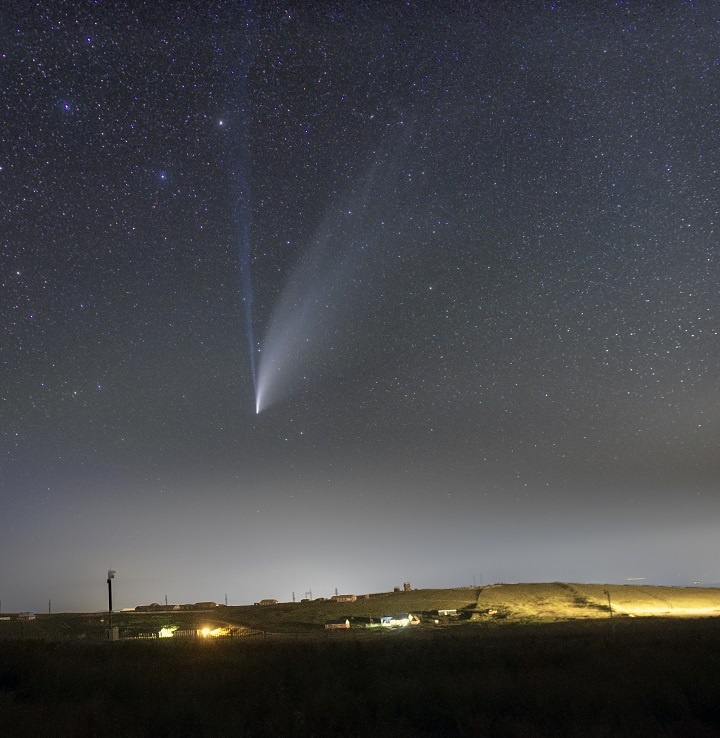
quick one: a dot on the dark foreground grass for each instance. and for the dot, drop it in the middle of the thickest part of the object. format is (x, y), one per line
(650, 678)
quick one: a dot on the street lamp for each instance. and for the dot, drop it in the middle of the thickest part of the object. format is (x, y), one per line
(110, 577)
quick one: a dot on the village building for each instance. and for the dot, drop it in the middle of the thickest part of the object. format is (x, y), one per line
(344, 598)
(337, 624)
(267, 602)
(399, 620)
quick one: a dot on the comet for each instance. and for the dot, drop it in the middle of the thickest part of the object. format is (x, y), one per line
(326, 293)
(334, 292)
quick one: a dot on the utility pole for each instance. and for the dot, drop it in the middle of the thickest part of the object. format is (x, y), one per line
(110, 577)
(50, 607)
(226, 599)
(607, 592)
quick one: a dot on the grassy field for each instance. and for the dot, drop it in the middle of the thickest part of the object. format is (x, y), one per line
(632, 677)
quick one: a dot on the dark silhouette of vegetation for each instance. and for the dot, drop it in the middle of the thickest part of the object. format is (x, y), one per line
(650, 677)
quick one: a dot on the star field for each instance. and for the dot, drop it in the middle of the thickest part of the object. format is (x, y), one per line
(490, 231)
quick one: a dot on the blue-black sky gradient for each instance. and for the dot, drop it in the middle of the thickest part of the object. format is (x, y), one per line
(480, 244)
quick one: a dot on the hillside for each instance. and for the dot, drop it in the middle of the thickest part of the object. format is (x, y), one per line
(496, 603)
(551, 601)
(562, 601)
(313, 615)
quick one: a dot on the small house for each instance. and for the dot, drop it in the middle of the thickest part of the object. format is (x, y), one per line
(344, 598)
(149, 608)
(267, 602)
(399, 620)
(337, 624)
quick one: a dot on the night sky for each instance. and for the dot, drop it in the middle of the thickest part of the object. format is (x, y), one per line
(462, 256)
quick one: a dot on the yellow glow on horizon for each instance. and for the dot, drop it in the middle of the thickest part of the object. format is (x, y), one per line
(662, 609)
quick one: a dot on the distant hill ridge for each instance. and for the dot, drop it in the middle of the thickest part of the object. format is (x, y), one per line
(435, 608)
(495, 602)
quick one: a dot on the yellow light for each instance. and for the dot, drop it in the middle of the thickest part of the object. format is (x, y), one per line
(207, 632)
